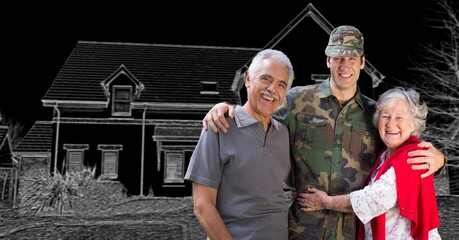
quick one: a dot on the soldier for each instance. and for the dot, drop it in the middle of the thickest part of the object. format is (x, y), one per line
(332, 139)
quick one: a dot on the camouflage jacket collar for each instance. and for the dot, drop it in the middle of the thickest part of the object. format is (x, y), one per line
(325, 92)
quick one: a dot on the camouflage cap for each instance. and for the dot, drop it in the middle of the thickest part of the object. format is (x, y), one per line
(345, 41)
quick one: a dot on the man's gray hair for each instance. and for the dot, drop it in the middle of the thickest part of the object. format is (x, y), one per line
(277, 56)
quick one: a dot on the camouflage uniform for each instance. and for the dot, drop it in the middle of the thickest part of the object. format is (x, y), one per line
(333, 149)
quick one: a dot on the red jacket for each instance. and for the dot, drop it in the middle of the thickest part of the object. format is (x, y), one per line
(415, 195)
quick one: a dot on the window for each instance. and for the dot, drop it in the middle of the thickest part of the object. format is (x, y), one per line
(174, 167)
(75, 161)
(110, 160)
(209, 88)
(75, 156)
(121, 100)
(109, 164)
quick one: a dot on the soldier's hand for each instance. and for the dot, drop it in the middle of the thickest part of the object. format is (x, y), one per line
(215, 118)
(430, 159)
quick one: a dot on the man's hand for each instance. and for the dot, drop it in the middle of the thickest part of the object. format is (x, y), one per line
(430, 159)
(215, 118)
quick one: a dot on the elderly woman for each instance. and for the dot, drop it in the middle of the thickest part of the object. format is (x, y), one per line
(396, 202)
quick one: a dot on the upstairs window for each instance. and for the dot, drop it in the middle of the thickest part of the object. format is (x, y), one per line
(121, 100)
(209, 88)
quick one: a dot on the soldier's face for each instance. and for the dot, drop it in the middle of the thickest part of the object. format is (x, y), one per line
(345, 71)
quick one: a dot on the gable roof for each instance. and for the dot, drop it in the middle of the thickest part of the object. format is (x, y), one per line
(122, 70)
(37, 141)
(168, 73)
(311, 12)
(319, 19)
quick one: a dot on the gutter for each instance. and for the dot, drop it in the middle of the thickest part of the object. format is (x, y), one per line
(142, 157)
(57, 137)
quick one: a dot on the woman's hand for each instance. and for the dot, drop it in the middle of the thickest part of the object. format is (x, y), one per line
(313, 200)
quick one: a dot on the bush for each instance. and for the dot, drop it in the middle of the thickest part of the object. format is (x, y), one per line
(53, 194)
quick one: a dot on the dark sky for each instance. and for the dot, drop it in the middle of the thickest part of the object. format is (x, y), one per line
(39, 38)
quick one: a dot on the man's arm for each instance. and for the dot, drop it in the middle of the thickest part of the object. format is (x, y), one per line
(215, 118)
(204, 200)
(430, 159)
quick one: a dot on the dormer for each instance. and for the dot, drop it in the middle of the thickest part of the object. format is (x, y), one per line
(121, 88)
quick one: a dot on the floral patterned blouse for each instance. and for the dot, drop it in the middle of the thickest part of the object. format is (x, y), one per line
(381, 197)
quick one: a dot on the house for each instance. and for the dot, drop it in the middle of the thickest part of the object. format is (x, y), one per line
(133, 111)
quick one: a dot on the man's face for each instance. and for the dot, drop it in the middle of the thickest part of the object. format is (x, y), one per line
(267, 89)
(345, 71)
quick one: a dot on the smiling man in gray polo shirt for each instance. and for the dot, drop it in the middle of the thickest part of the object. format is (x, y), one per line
(238, 176)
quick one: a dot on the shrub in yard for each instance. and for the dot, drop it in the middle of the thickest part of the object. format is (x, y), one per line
(53, 194)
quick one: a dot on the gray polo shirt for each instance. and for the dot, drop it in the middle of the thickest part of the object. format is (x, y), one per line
(248, 167)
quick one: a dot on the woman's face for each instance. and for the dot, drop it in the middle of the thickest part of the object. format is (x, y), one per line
(394, 125)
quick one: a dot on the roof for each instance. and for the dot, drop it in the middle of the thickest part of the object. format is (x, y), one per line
(169, 73)
(319, 19)
(37, 140)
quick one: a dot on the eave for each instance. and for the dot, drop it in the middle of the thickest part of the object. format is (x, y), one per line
(74, 104)
(172, 106)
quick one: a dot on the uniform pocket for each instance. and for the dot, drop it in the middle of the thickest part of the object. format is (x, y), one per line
(310, 131)
(363, 140)
(360, 146)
